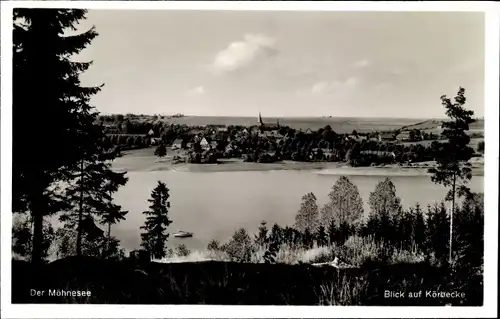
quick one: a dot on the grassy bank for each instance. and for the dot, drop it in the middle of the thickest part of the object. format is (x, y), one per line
(229, 283)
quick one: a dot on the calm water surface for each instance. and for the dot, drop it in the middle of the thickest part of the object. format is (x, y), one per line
(213, 205)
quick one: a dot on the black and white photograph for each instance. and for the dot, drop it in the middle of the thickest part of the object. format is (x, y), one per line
(239, 157)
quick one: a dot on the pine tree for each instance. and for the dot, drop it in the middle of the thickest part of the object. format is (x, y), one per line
(261, 238)
(155, 236)
(321, 237)
(308, 215)
(114, 213)
(469, 233)
(90, 183)
(437, 235)
(161, 150)
(276, 234)
(419, 228)
(345, 206)
(332, 233)
(307, 239)
(453, 169)
(47, 99)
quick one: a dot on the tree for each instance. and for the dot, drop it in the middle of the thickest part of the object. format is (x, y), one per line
(213, 245)
(308, 214)
(353, 154)
(22, 237)
(261, 238)
(276, 234)
(48, 98)
(155, 236)
(114, 213)
(470, 232)
(161, 150)
(419, 228)
(307, 239)
(85, 196)
(384, 199)
(321, 236)
(240, 246)
(345, 203)
(182, 251)
(480, 147)
(437, 235)
(453, 169)
(332, 232)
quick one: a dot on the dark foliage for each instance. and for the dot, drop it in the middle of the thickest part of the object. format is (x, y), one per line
(155, 236)
(48, 98)
(235, 283)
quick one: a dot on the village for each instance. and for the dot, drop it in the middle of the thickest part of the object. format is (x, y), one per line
(267, 142)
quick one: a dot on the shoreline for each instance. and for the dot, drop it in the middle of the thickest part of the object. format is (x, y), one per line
(139, 161)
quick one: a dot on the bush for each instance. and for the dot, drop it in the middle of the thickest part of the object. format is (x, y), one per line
(182, 251)
(213, 245)
(240, 247)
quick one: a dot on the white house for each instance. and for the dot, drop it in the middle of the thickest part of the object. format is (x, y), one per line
(177, 144)
(155, 140)
(204, 144)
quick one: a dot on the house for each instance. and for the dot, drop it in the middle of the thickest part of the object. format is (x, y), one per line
(204, 144)
(213, 145)
(189, 145)
(357, 138)
(386, 137)
(196, 131)
(229, 148)
(151, 132)
(380, 154)
(177, 144)
(268, 134)
(155, 140)
(403, 136)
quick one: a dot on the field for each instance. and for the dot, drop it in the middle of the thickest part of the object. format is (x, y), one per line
(477, 126)
(338, 124)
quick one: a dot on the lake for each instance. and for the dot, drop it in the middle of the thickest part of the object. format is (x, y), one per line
(215, 204)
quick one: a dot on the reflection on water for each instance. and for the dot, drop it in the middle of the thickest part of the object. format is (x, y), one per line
(214, 205)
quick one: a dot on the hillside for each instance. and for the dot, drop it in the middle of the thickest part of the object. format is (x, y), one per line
(477, 126)
(338, 124)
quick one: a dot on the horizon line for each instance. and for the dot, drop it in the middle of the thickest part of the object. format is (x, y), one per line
(280, 117)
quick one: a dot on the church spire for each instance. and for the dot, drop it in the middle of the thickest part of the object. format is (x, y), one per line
(260, 120)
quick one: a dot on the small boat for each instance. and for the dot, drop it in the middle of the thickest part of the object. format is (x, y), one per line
(183, 234)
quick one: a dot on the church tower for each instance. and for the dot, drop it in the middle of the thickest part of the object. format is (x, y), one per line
(260, 120)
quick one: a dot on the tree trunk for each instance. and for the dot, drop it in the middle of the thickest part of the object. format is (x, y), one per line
(80, 215)
(109, 239)
(452, 213)
(37, 217)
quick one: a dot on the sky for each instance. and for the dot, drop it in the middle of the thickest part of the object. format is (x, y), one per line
(286, 64)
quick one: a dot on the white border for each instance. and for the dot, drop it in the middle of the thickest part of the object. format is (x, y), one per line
(103, 311)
